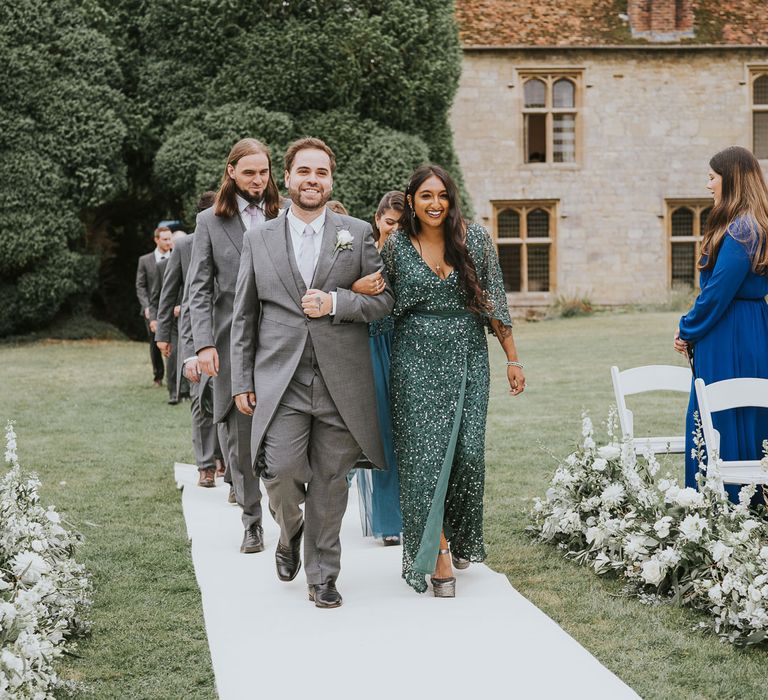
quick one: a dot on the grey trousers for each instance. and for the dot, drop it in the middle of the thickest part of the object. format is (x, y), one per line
(204, 436)
(244, 481)
(307, 453)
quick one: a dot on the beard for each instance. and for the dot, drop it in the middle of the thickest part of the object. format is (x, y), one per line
(297, 198)
(248, 197)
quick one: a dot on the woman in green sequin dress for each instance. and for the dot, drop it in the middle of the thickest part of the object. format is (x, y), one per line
(449, 290)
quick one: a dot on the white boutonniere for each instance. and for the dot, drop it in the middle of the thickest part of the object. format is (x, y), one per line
(343, 240)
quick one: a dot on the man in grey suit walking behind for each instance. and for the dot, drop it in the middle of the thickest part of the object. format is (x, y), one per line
(174, 287)
(247, 196)
(146, 277)
(301, 364)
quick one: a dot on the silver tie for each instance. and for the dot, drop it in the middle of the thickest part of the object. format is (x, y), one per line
(255, 214)
(307, 255)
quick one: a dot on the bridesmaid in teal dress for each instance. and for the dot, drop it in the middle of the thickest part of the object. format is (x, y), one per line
(726, 331)
(448, 287)
(379, 489)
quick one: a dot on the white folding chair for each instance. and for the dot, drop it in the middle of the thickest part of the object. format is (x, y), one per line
(722, 396)
(639, 380)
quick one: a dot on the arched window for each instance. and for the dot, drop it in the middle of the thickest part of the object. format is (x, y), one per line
(682, 222)
(509, 224)
(564, 93)
(535, 93)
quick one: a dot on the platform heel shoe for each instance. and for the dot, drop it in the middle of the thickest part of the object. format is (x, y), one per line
(444, 587)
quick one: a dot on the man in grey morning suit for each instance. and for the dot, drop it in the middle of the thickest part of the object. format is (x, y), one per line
(172, 307)
(301, 364)
(203, 430)
(146, 275)
(247, 196)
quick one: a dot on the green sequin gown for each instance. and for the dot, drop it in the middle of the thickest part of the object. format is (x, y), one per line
(439, 390)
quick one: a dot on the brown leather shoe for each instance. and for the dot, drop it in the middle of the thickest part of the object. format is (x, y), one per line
(220, 468)
(206, 477)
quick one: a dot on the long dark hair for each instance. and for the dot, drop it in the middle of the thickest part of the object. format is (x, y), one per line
(456, 253)
(226, 197)
(744, 193)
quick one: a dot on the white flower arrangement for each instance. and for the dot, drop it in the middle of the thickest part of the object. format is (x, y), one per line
(43, 591)
(607, 509)
(343, 240)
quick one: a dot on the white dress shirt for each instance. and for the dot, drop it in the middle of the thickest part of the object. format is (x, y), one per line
(296, 226)
(161, 256)
(245, 217)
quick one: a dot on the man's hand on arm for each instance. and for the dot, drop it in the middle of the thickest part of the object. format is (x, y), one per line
(153, 325)
(246, 402)
(209, 361)
(176, 310)
(317, 304)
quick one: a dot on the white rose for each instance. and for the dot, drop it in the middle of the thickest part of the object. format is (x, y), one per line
(689, 498)
(611, 451)
(612, 495)
(652, 572)
(599, 464)
(662, 526)
(720, 552)
(668, 556)
(715, 594)
(53, 516)
(635, 546)
(344, 237)
(29, 566)
(764, 553)
(693, 527)
(12, 662)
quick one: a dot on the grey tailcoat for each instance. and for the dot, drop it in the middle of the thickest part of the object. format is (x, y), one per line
(146, 272)
(270, 329)
(212, 277)
(171, 295)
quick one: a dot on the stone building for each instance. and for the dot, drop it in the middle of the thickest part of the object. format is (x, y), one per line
(584, 130)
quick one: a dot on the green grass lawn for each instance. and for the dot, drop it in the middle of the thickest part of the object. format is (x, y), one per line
(103, 441)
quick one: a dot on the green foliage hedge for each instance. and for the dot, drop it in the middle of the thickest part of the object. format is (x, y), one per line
(115, 114)
(61, 139)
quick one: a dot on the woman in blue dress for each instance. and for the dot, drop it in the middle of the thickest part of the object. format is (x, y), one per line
(726, 331)
(380, 489)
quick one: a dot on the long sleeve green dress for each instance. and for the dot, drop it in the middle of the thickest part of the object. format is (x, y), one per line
(439, 390)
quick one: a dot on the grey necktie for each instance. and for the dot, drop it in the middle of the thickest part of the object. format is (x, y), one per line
(307, 255)
(255, 214)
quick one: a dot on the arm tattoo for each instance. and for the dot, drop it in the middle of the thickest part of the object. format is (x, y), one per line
(503, 332)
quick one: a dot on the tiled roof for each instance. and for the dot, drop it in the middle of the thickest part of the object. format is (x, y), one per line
(600, 23)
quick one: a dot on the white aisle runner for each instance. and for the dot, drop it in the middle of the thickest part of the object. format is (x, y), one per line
(386, 642)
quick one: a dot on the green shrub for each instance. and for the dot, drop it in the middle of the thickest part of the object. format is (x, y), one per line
(61, 139)
(574, 305)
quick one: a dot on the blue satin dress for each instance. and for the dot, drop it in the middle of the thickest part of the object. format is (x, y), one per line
(728, 328)
(380, 488)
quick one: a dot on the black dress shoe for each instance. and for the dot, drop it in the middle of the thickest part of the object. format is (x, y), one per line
(325, 595)
(288, 559)
(253, 540)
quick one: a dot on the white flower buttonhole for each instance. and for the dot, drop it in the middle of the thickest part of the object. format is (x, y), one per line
(343, 240)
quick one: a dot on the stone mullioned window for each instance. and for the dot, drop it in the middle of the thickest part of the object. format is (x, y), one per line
(759, 94)
(551, 102)
(524, 232)
(685, 222)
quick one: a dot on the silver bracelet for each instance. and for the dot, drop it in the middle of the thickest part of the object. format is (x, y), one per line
(509, 363)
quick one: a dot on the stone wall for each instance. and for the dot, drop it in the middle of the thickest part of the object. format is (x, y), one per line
(650, 121)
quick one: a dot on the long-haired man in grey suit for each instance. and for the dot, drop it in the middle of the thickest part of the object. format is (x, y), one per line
(301, 364)
(247, 196)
